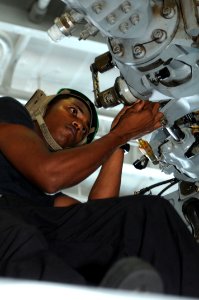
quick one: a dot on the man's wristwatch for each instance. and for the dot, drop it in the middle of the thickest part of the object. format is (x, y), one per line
(126, 147)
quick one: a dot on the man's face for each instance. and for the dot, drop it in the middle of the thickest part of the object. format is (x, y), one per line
(68, 121)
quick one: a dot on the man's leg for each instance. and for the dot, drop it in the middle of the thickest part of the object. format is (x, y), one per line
(25, 254)
(92, 236)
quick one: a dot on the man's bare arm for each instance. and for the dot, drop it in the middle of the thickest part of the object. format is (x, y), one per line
(107, 184)
(52, 171)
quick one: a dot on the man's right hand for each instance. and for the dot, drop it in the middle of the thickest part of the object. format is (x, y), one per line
(137, 120)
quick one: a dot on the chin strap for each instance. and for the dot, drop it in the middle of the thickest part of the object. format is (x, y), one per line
(48, 137)
(46, 134)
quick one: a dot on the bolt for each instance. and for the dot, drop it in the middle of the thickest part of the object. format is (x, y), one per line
(111, 19)
(135, 19)
(97, 7)
(124, 27)
(126, 7)
(168, 12)
(118, 49)
(139, 51)
(159, 35)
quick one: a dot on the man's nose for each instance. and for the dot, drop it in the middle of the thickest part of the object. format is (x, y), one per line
(77, 125)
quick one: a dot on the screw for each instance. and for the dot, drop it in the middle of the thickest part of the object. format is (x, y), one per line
(168, 12)
(139, 51)
(135, 19)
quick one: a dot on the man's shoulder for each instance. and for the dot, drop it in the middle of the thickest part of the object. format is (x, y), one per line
(7, 101)
(12, 111)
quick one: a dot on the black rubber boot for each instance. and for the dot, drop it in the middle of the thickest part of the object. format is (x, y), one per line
(190, 210)
(134, 274)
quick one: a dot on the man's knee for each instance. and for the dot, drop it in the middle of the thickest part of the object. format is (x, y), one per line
(18, 238)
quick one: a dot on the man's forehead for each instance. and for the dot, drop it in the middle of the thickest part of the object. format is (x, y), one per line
(80, 104)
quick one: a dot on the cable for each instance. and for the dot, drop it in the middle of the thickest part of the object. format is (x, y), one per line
(147, 189)
(168, 186)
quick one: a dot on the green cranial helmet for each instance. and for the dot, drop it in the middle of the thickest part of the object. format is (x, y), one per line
(37, 107)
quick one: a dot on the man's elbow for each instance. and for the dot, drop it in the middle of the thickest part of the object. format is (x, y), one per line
(51, 181)
(50, 185)
(47, 182)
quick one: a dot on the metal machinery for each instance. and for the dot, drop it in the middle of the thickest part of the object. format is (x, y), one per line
(155, 46)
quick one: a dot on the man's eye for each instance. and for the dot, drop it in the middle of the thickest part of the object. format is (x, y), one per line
(73, 111)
